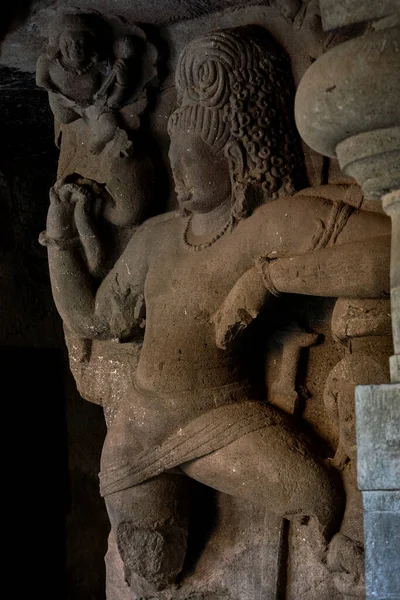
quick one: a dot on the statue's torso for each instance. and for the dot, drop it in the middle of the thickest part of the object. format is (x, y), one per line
(79, 88)
(183, 290)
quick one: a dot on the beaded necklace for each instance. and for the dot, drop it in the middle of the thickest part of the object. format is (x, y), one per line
(74, 70)
(198, 247)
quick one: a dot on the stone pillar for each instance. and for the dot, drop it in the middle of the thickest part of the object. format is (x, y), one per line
(348, 107)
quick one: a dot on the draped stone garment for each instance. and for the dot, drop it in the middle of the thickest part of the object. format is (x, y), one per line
(207, 433)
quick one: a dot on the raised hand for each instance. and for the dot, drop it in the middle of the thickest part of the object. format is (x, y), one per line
(239, 308)
(60, 216)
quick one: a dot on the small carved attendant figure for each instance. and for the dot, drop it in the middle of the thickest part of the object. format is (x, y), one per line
(85, 74)
(203, 274)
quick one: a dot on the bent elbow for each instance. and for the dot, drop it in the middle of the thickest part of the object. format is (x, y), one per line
(88, 329)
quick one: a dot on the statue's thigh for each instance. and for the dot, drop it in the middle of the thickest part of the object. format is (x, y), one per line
(271, 467)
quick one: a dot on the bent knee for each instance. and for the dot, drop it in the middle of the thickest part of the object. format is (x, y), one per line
(156, 554)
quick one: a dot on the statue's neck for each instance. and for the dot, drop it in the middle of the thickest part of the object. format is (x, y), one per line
(210, 223)
(74, 64)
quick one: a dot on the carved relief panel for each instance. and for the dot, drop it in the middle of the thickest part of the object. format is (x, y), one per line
(223, 338)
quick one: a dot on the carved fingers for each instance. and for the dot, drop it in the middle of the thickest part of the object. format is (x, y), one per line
(64, 199)
(60, 215)
(239, 308)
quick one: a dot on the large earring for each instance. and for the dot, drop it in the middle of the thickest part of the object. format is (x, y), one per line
(234, 153)
(235, 156)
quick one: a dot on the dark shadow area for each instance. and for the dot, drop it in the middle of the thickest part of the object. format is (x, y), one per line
(36, 465)
(203, 517)
(56, 526)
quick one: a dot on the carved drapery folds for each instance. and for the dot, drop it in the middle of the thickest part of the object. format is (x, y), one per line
(209, 289)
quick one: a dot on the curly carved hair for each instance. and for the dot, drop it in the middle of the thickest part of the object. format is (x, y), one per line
(236, 84)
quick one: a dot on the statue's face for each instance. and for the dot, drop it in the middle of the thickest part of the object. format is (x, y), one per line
(202, 179)
(76, 46)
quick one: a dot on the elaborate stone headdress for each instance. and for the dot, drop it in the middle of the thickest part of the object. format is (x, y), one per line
(236, 85)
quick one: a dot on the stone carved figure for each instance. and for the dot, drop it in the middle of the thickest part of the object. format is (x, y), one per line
(363, 326)
(91, 69)
(89, 73)
(203, 273)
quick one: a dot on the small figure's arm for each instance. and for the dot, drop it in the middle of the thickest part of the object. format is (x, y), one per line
(63, 108)
(115, 85)
(43, 78)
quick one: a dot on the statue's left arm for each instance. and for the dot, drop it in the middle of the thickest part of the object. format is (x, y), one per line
(358, 269)
(351, 257)
(317, 249)
(323, 248)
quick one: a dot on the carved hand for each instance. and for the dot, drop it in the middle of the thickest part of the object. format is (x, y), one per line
(82, 214)
(67, 200)
(60, 214)
(239, 308)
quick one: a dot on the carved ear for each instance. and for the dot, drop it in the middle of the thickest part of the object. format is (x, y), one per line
(236, 158)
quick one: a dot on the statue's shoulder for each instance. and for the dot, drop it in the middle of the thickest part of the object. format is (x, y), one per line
(315, 201)
(331, 194)
(42, 68)
(349, 194)
(158, 220)
(344, 212)
(159, 223)
(307, 220)
(320, 200)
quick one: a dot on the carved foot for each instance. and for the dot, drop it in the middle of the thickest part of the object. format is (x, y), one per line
(156, 555)
(345, 559)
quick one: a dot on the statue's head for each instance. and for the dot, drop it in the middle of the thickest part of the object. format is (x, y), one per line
(79, 38)
(233, 132)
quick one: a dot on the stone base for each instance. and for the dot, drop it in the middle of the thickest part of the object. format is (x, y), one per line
(382, 544)
(378, 436)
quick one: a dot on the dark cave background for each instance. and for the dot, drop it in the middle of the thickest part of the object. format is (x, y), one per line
(56, 525)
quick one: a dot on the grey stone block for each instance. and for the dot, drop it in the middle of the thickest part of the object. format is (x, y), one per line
(382, 544)
(378, 436)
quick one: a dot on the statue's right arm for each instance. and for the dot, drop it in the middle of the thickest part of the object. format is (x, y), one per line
(116, 308)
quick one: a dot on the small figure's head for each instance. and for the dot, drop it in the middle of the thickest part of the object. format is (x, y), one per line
(77, 46)
(78, 38)
(233, 133)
